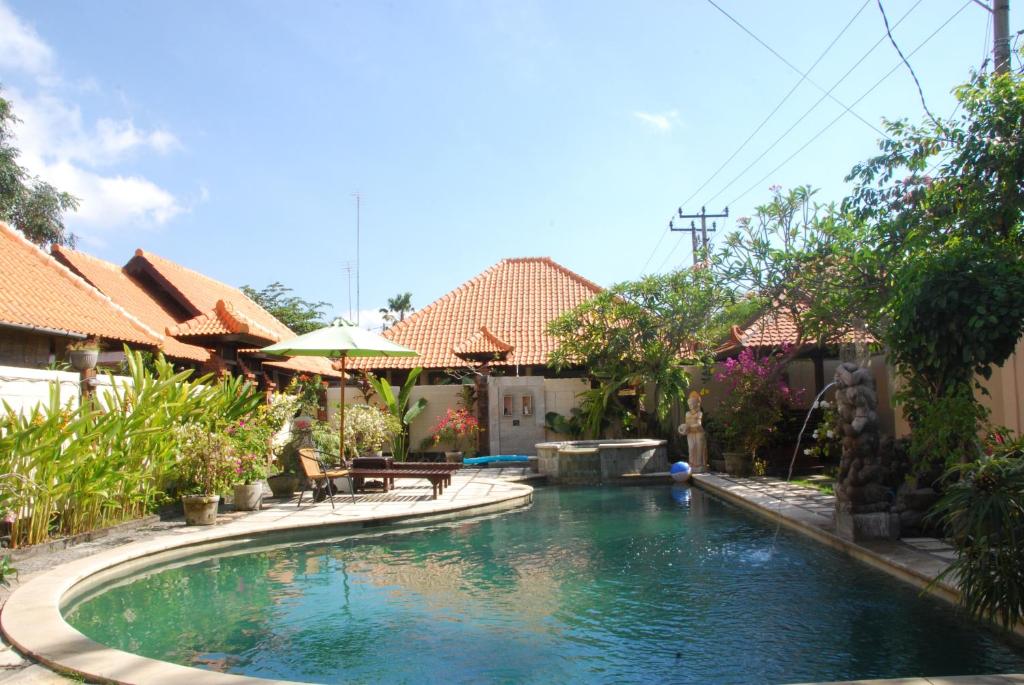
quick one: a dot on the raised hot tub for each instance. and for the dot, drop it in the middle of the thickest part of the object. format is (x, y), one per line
(592, 462)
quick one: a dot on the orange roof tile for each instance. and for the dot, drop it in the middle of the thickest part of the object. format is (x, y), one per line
(482, 342)
(113, 282)
(38, 291)
(224, 319)
(202, 293)
(776, 327)
(514, 301)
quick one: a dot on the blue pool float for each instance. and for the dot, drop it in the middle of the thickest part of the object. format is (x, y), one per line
(496, 458)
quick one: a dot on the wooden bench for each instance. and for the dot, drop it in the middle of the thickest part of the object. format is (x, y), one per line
(438, 478)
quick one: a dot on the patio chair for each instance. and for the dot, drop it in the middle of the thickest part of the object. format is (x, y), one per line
(319, 477)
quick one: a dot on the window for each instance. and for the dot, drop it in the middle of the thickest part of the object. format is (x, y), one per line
(506, 405)
(527, 405)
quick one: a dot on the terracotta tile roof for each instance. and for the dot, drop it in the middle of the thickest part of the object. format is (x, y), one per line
(202, 293)
(777, 327)
(483, 342)
(113, 282)
(513, 300)
(38, 291)
(224, 319)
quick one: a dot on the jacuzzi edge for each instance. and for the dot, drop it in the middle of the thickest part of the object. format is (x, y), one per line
(31, 619)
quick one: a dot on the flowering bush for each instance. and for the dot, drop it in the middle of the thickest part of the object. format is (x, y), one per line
(827, 436)
(250, 468)
(367, 428)
(757, 396)
(307, 389)
(458, 429)
(206, 462)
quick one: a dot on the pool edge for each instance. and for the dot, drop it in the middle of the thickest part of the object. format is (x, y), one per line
(31, 619)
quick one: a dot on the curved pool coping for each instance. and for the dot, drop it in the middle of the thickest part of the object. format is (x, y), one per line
(31, 619)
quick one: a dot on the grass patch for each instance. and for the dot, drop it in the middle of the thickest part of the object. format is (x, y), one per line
(821, 483)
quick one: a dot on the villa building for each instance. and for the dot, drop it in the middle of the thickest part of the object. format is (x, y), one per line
(491, 332)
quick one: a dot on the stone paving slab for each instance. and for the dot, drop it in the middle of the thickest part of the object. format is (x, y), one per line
(1006, 679)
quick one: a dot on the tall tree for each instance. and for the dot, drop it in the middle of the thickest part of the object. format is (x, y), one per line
(398, 307)
(29, 204)
(297, 314)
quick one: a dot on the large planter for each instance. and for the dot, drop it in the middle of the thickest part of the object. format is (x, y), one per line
(83, 360)
(248, 496)
(200, 510)
(738, 463)
(453, 457)
(283, 484)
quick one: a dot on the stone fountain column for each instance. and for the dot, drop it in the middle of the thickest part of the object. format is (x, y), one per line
(863, 501)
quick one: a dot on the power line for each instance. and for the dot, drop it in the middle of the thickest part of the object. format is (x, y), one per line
(791, 66)
(913, 75)
(778, 140)
(842, 114)
(803, 77)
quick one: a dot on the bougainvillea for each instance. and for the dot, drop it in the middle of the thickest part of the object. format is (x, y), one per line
(757, 396)
(457, 429)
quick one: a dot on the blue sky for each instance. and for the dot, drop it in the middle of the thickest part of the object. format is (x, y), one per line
(231, 136)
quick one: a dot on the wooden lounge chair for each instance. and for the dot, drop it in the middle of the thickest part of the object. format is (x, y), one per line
(320, 477)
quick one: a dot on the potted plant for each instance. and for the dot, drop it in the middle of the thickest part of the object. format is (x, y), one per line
(457, 429)
(753, 408)
(251, 438)
(84, 354)
(306, 391)
(206, 467)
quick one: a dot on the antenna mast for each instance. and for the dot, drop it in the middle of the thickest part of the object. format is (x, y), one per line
(359, 198)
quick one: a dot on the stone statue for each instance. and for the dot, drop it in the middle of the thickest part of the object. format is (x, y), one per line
(863, 501)
(693, 428)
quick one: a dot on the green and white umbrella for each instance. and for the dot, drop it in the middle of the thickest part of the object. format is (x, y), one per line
(339, 341)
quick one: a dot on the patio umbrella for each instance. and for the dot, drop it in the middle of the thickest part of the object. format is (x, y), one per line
(339, 341)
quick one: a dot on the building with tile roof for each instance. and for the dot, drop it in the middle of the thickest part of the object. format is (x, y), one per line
(44, 306)
(498, 318)
(197, 318)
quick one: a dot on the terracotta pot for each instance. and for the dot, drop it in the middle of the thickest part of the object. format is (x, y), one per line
(738, 463)
(200, 510)
(283, 484)
(248, 496)
(82, 360)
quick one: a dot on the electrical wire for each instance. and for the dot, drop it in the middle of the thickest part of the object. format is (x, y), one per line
(787, 132)
(842, 114)
(791, 66)
(913, 75)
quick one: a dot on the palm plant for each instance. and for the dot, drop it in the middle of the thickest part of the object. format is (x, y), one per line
(400, 408)
(398, 307)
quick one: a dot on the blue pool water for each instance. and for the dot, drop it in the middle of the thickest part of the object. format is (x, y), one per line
(609, 585)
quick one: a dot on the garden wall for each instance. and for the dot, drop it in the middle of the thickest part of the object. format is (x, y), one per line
(22, 388)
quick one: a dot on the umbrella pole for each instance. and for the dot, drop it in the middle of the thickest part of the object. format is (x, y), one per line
(341, 410)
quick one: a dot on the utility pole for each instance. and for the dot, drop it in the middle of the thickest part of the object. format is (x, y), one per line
(359, 199)
(703, 216)
(1001, 35)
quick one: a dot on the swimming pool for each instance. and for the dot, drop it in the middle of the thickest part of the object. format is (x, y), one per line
(645, 585)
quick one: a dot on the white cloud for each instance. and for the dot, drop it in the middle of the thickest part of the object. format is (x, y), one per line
(61, 147)
(662, 122)
(21, 48)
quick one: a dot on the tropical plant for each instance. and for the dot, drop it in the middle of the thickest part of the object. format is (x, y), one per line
(29, 204)
(206, 460)
(84, 344)
(249, 468)
(398, 307)
(570, 426)
(400, 408)
(757, 396)
(7, 571)
(67, 470)
(457, 429)
(643, 332)
(983, 512)
(300, 315)
(367, 430)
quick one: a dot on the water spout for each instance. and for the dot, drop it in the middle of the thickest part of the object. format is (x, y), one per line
(796, 450)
